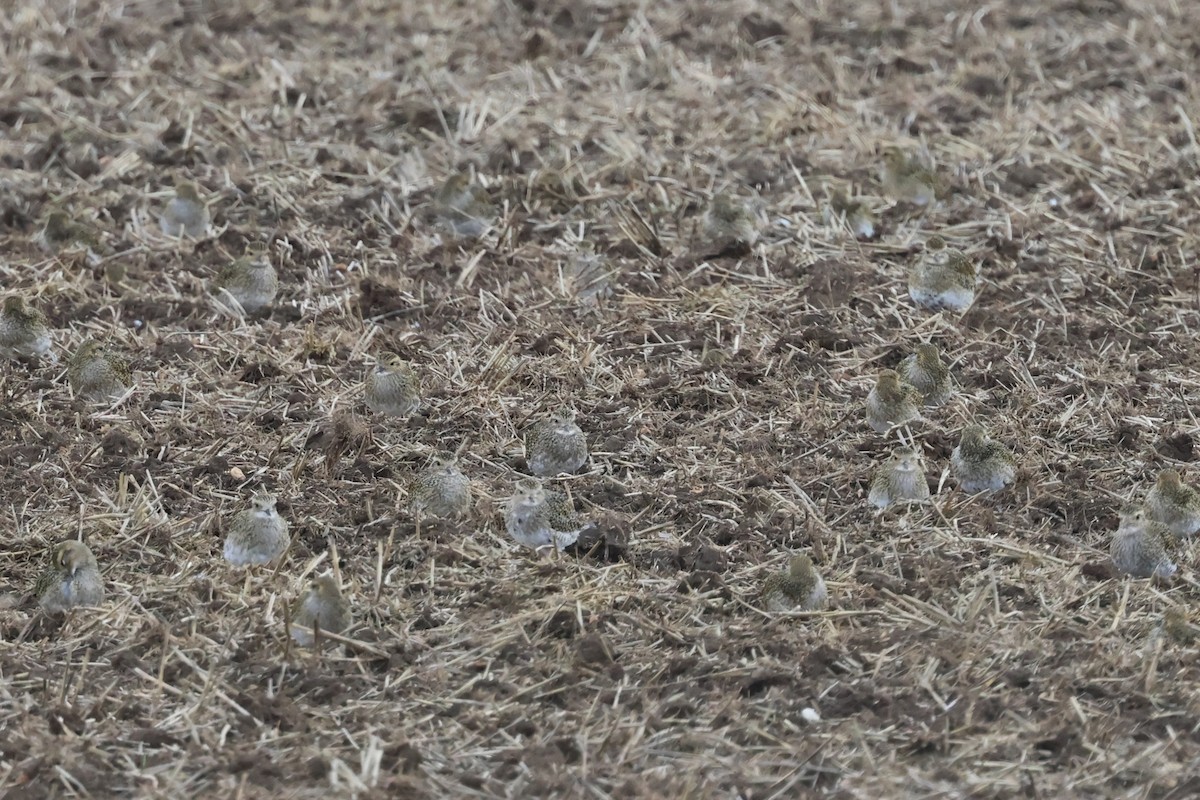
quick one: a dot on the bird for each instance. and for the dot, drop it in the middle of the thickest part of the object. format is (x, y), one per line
(1176, 625)
(904, 178)
(858, 216)
(541, 518)
(923, 369)
(590, 276)
(981, 464)
(97, 373)
(943, 278)
(891, 403)
(392, 386)
(60, 232)
(251, 280)
(441, 490)
(72, 579)
(1174, 504)
(322, 609)
(899, 479)
(1139, 546)
(257, 535)
(185, 214)
(727, 226)
(555, 444)
(23, 329)
(801, 586)
(341, 433)
(462, 207)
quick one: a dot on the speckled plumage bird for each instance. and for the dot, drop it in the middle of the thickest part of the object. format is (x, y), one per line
(23, 329)
(1176, 625)
(1174, 504)
(1139, 546)
(72, 579)
(856, 213)
(923, 369)
(905, 178)
(97, 373)
(555, 444)
(981, 464)
(801, 587)
(462, 207)
(590, 275)
(60, 232)
(256, 535)
(186, 214)
(727, 225)
(441, 490)
(891, 403)
(540, 518)
(250, 280)
(899, 479)
(322, 609)
(943, 278)
(392, 387)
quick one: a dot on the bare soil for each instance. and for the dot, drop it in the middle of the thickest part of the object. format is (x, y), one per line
(976, 647)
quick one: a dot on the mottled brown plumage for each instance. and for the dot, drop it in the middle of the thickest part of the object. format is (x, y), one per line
(555, 444)
(905, 178)
(800, 588)
(322, 608)
(23, 329)
(72, 579)
(923, 369)
(899, 479)
(1139, 547)
(943, 278)
(1174, 504)
(97, 373)
(392, 387)
(185, 214)
(441, 490)
(891, 403)
(981, 464)
(250, 280)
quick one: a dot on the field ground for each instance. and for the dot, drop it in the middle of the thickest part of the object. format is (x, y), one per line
(976, 647)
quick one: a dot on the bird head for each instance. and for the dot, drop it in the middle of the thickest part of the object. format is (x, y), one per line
(263, 503)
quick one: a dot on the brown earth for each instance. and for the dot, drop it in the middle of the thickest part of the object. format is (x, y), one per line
(978, 647)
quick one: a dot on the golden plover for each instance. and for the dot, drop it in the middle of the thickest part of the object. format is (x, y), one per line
(251, 280)
(541, 518)
(905, 178)
(392, 387)
(800, 587)
(256, 535)
(555, 444)
(900, 479)
(1174, 504)
(891, 403)
(73, 579)
(943, 278)
(462, 207)
(185, 214)
(441, 490)
(1139, 547)
(322, 608)
(923, 368)
(97, 373)
(23, 329)
(981, 464)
